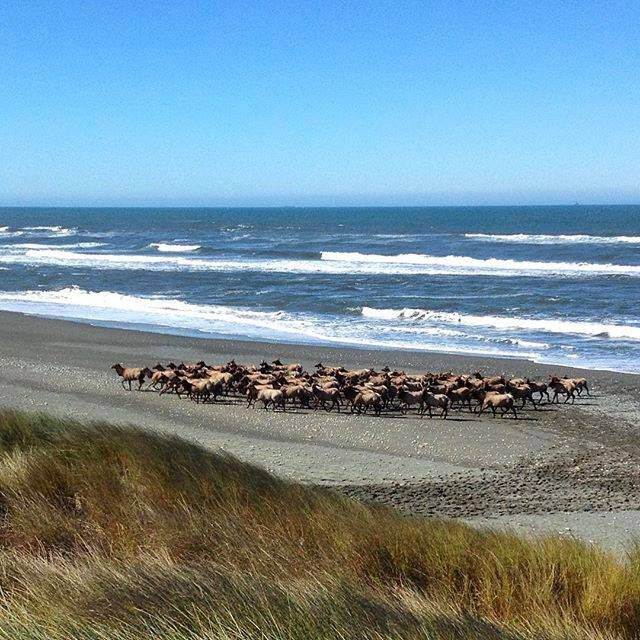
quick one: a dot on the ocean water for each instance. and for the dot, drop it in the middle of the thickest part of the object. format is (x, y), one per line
(554, 284)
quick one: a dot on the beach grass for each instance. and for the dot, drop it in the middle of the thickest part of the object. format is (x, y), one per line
(121, 533)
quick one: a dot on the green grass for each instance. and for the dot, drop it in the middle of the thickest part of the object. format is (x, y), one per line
(119, 534)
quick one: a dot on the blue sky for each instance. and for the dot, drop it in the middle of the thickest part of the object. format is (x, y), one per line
(268, 103)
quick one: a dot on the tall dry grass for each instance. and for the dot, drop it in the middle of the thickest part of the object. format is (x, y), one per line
(122, 534)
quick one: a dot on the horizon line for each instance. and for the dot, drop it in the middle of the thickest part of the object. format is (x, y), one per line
(318, 206)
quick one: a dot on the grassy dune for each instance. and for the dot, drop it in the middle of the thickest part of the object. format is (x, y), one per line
(118, 533)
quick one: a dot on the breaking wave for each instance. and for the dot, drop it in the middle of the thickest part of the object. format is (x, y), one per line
(592, 329)
(532, 238)
(493, 266)
(330, 263)
(47, 231)
(165, 247)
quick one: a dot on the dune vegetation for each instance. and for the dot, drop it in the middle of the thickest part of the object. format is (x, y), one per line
(119, 533)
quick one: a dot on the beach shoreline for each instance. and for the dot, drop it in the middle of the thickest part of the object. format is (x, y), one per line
(411, 360)
(566, 469)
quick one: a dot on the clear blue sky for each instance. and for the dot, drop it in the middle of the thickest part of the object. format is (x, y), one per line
(216, 103)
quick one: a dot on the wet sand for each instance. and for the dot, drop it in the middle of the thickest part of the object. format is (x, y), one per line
(568, 469)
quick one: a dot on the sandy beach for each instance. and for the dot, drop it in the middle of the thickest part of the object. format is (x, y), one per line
(568, 469)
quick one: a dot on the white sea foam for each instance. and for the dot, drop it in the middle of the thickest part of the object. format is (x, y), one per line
(164, 247)
(493, 266)
(21, 246)
(331, 263)
(109, 304)
(504, 323)
(73, 302)
(527, 238)
(530, 344)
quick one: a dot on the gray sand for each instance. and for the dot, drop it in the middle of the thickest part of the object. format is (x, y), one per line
(573, 470)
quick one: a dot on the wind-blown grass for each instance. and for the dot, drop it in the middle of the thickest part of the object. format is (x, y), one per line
(109, 532)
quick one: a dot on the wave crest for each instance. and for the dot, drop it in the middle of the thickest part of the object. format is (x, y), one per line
(165, 247)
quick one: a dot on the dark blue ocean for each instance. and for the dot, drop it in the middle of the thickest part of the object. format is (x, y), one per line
(554, 284)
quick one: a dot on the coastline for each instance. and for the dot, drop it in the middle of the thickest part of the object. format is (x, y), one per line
(566, 469)
(348, 355)
(297, 337)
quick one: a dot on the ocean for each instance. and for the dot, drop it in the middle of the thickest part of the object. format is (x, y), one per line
(556, 284)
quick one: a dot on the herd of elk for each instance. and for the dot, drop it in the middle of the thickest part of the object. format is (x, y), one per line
(279, 385)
